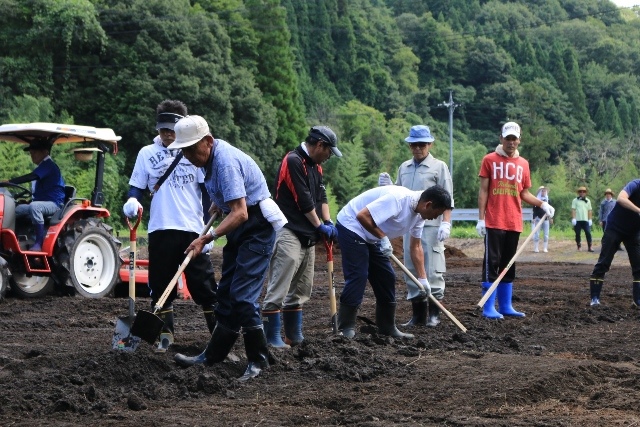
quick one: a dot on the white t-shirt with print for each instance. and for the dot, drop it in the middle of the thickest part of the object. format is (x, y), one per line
(177, 205)
(392, 208)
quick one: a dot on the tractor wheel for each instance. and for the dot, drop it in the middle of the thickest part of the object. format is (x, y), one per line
(31, 287)
(4, 281)
(88, 255)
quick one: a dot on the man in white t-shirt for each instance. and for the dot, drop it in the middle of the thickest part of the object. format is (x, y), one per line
(365, 226)
(175, 220)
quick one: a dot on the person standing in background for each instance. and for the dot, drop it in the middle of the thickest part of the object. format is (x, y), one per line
(606, 206)
(538, 213)
(419, 173)
(581, 217)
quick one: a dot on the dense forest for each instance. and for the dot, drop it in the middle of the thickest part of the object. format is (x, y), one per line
(263, 71)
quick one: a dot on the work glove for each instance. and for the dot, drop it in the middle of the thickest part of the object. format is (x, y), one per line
(573, 222)
(385, 247)
(481, 228)
(328, 230)
(548, 209)
(444, 231)
(590, 223)
(131, 208)
(384, 179)
(427, 287)
(208, 247)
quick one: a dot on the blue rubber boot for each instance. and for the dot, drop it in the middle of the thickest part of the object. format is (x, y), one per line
(292, 319)
(505, 292)
(489, 309)
(41, 233)
(272, 325)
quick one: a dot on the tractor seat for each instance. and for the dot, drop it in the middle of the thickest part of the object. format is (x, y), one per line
(69, 195)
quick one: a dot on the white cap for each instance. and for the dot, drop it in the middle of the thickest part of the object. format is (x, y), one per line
(189, 130)
(511, 128)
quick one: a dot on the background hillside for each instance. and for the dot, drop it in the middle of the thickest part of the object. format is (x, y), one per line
(263, 71)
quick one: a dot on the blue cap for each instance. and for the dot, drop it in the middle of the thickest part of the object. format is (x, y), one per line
(420, 133)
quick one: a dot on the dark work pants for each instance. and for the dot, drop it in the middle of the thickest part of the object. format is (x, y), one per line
(245, 259)
(582, 225)
(499, 248)
(362, 261)
(610, 244)
(166, 253)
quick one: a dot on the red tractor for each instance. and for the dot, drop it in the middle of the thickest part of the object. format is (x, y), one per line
(79, 253)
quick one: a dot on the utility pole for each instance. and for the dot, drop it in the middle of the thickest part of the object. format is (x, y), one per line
(451, 106)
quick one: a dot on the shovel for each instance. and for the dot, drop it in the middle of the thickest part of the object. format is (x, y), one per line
(148, 325)
(332, 290)
(123, 339)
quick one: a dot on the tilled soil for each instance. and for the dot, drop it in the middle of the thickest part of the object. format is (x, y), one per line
(565, 364)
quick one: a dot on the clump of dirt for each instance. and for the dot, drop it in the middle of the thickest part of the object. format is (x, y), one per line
(565, 363)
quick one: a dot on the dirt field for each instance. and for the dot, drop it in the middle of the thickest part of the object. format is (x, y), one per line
(565, 364)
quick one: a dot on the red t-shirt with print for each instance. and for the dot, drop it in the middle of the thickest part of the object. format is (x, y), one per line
(508, 176)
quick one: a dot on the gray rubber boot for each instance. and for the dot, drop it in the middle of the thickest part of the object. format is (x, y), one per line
(272, 326)
(292, 320)
(220, 344)
(347, 320)
(386, 320)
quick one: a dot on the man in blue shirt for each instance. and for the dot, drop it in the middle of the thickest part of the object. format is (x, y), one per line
(623, 226)
(236, 187)
(48, 189)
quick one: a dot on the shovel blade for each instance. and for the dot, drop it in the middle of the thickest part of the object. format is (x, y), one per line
(147, 326)
(123, 339)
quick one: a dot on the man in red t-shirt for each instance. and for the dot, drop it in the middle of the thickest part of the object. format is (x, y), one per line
(504, 182)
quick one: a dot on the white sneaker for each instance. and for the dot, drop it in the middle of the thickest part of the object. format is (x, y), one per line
(545, 251)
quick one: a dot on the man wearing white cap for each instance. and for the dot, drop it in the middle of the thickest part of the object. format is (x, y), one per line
(421, 172)
(237, 189)
(504, 182)
(175, 219)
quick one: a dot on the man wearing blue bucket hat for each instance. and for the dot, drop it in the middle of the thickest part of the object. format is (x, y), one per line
(419, 173)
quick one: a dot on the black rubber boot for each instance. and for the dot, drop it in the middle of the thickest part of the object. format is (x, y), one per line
(595, 285)
(636, 293)
(209, 317)
(166, 334)
(434, 314)
(220, 344)
(255, 345)
(590, 248)
(419, 316)
(386, 320)
(292, 320)
(347, 320)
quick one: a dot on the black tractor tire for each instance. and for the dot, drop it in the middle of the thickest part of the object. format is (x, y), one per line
(24, 286)
(87, 258)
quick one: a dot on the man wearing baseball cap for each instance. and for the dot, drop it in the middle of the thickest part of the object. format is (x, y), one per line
(175, 219)
(504, 183)
(237, 188)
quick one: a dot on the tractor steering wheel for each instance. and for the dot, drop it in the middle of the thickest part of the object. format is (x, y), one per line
(17, 191)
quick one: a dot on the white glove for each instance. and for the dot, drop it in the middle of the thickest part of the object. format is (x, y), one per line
(425, 284)
(573, 222)
(208, 247)
(590, 223)
(481, 228)
(385, 247)
(444, 231)
(132, 207)
(384, 179)
(548, 209)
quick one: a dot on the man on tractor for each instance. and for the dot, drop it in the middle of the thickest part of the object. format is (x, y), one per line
(47, 187)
